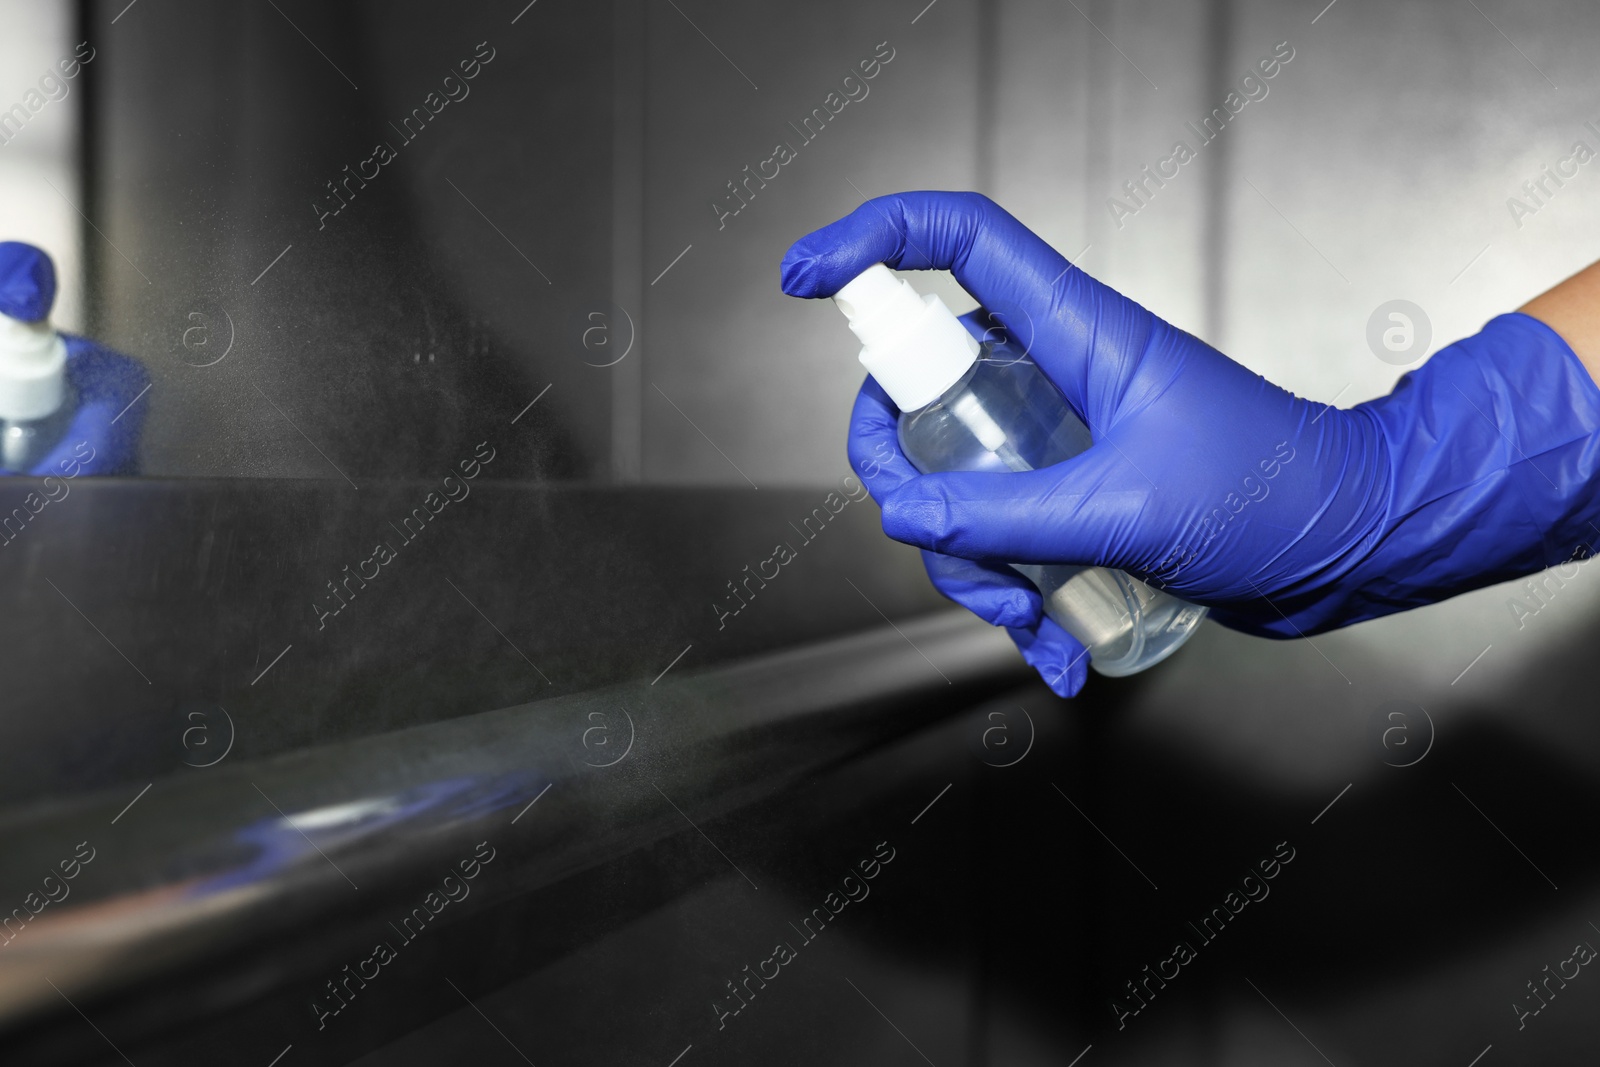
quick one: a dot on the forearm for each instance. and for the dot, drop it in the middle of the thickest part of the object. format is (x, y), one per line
(1572, 309)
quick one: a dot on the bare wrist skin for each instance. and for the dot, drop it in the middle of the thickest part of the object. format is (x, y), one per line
(1572, 309)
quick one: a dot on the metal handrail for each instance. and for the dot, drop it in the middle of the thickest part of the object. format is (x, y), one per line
(262, 867)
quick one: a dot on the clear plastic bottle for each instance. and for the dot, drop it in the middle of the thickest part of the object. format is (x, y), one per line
(986, 407)
(36, 402)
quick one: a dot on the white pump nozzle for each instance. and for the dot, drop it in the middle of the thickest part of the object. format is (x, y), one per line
(914, 346)
(33, 362)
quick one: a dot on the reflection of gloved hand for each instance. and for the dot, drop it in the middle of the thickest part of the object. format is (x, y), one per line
(99, 433)
(1287, 516)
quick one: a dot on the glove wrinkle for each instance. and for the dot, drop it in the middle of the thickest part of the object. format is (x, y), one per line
(1287, 516)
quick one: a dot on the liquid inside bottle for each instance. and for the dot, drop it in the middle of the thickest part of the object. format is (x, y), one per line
(1005, 415)
(24, 443)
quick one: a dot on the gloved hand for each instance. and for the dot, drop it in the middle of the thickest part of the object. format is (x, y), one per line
(992, 591)
(1286, 516)
(102, 434)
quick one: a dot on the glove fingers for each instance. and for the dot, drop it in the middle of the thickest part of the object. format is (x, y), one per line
(1084, 511)
(1048, 307)
(1002, 597)
(103, 437)
(1061, 661)
(874, 445)
(994, 592)
(964, 233)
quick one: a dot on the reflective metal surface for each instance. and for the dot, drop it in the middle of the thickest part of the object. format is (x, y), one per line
(229, 769)
(272, 867)
(200, 608)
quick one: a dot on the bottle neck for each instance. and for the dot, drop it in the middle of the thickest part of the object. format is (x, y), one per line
(959, 387)
(33, 361)
(911, 344)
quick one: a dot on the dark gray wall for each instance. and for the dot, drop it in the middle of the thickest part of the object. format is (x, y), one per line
(1378, 167)
(425, 311)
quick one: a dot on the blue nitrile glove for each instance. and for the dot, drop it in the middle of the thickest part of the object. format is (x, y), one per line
(1286, 516)
(103, 435)
(993, 591)
(108, 385)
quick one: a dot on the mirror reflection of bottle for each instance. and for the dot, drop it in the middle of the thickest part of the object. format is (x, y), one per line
(36, 402)
(974, 406)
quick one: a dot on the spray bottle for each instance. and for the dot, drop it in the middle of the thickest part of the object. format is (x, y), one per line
(972, 406)
(36, 405)
(68, 405)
